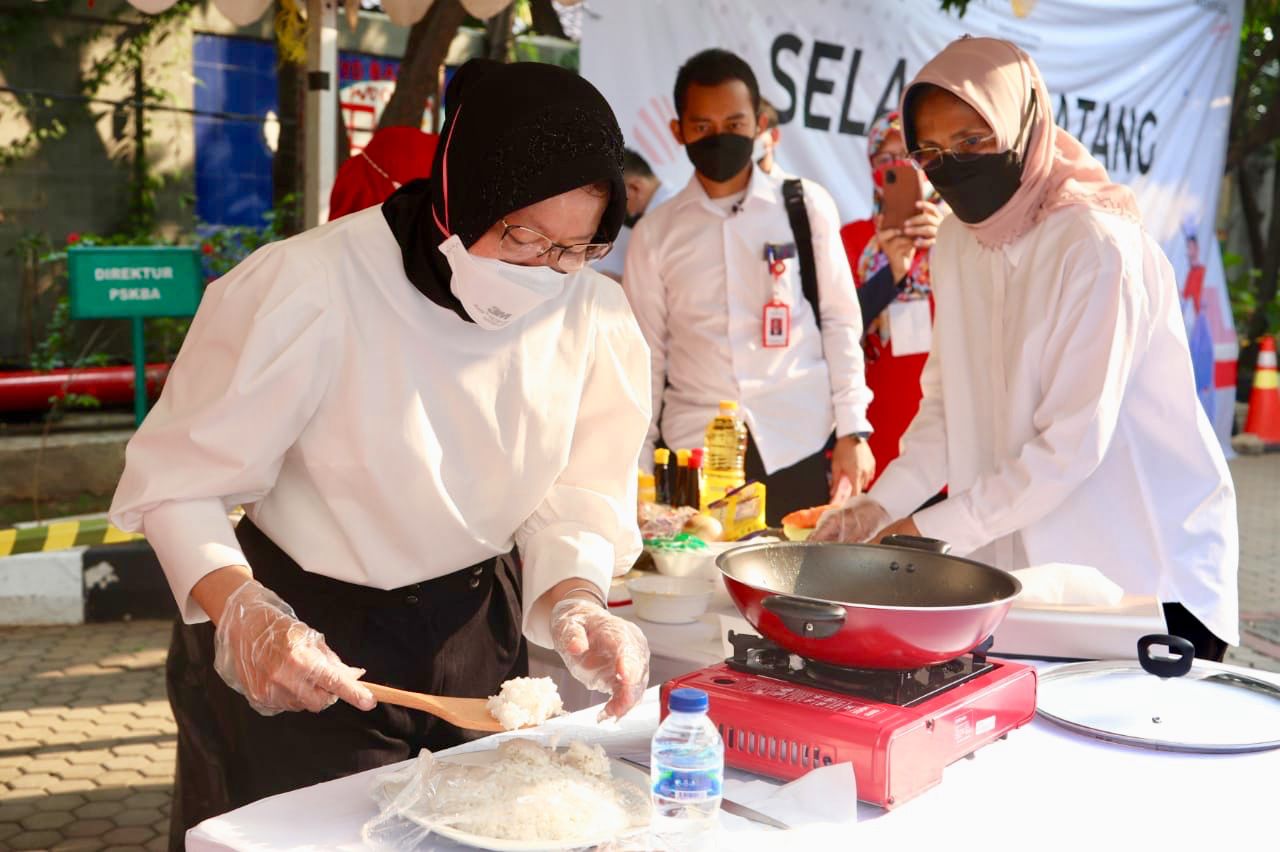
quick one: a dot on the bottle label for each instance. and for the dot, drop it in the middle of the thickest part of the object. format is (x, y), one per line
(689, 785)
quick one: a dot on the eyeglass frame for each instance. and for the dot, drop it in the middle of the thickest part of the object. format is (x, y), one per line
(507, 228)
(1027, 116)
(887, 157)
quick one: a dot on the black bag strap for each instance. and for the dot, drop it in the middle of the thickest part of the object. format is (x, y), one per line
(793, 195)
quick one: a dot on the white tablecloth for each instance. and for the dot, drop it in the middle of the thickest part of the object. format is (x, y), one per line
(1041, 789)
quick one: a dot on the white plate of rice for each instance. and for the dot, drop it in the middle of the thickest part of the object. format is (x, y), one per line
(523, 797)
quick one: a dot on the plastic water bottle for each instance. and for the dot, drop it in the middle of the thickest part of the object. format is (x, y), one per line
(725, 464)
(686, 770)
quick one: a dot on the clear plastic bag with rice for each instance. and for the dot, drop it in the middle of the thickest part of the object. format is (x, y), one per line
(523, 792)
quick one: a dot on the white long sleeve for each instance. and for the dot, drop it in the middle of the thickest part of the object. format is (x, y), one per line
(841, 314)
(646, 292)
(1060, 409)
(585, 527)
(380, 439)
(1100, 322)
(251, 373)
(699, 282)
(920, 470)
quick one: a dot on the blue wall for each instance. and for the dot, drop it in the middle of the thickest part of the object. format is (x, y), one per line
(233, 162)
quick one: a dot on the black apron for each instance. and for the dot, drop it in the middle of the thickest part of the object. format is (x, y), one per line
(455, 635)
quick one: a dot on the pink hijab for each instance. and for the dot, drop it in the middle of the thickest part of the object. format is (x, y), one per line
(994, 77)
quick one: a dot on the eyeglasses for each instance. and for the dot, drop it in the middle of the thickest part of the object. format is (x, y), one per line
(975, 146)
(521, 245)
(885, 158)
(964, 151)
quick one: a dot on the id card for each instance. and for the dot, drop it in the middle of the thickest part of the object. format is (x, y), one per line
(777, 325)
(910, 327)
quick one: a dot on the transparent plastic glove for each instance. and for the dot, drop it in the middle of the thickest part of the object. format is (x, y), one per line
(605, 653)
(263, 652)
(856, 521)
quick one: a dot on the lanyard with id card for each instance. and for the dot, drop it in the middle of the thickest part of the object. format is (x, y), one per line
(776, 322)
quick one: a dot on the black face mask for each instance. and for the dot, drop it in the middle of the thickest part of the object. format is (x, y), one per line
(976, 189)
(630, 220)
(720, 157)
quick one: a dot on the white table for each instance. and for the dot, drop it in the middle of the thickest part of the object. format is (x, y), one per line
(1041, 789)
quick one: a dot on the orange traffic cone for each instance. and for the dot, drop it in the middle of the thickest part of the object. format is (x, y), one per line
(1264, 402)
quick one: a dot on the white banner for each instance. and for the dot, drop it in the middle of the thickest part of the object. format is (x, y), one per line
(1145, 84)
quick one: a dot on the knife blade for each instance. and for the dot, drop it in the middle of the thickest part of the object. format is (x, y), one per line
(728, 805)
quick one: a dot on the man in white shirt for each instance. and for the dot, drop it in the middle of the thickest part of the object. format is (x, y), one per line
(644, 192)
(714, 269)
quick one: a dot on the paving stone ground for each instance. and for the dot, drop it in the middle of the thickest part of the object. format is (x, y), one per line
(86, 737)
(87, 740)
(1257, 481)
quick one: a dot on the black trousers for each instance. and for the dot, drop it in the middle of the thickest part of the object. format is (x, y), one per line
(1182, 623)
(455, 635)
(802, 486)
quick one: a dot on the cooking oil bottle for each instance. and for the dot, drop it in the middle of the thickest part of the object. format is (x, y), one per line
(725, 464)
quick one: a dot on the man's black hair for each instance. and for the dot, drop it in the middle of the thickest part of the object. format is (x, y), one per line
(634, 164)
(770, 113)
(711, 68)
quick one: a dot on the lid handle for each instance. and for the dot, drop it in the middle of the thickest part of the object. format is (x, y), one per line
(806, 619)
(1184, 654)
(917, 542)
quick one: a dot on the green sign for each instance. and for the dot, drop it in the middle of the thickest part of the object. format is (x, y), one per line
(109, 282)
(133, 282)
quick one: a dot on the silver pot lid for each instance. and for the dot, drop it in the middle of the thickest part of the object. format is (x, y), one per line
(1167, 704)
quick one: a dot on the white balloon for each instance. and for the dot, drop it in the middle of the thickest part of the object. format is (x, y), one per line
(242, 13)
(405, 13)
(151, 7)
(485, 9)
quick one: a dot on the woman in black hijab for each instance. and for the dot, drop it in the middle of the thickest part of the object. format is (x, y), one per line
(400, 399)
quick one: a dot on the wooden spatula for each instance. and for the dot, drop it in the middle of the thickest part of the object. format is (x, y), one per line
(468, 713)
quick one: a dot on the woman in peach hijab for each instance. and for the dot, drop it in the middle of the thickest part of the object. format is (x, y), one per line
(1059, 404)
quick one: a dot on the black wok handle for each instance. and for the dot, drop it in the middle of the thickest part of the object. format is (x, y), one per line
(1183, 650)
(807, 619)
(917, 542)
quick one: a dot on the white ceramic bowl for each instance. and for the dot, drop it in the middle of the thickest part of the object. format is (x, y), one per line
(670, 600)
(684, 563)
(692, 563)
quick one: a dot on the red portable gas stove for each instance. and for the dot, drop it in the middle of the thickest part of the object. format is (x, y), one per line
(781, 714)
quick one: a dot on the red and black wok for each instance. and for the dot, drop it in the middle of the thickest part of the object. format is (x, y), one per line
(898, 605)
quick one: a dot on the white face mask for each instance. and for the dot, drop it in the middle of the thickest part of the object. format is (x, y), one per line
(760, 148)
(495, 293)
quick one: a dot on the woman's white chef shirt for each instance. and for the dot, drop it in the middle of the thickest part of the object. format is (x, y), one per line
(380, 439)
(1060, 409)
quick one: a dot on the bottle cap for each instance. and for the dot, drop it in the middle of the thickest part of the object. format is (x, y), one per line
(695, 458)
(661, 456)
(682, 458)
(687, 700)
(728, 405)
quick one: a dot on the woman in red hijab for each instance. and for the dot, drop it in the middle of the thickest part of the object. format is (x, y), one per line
(393, 157)
(891, 271)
